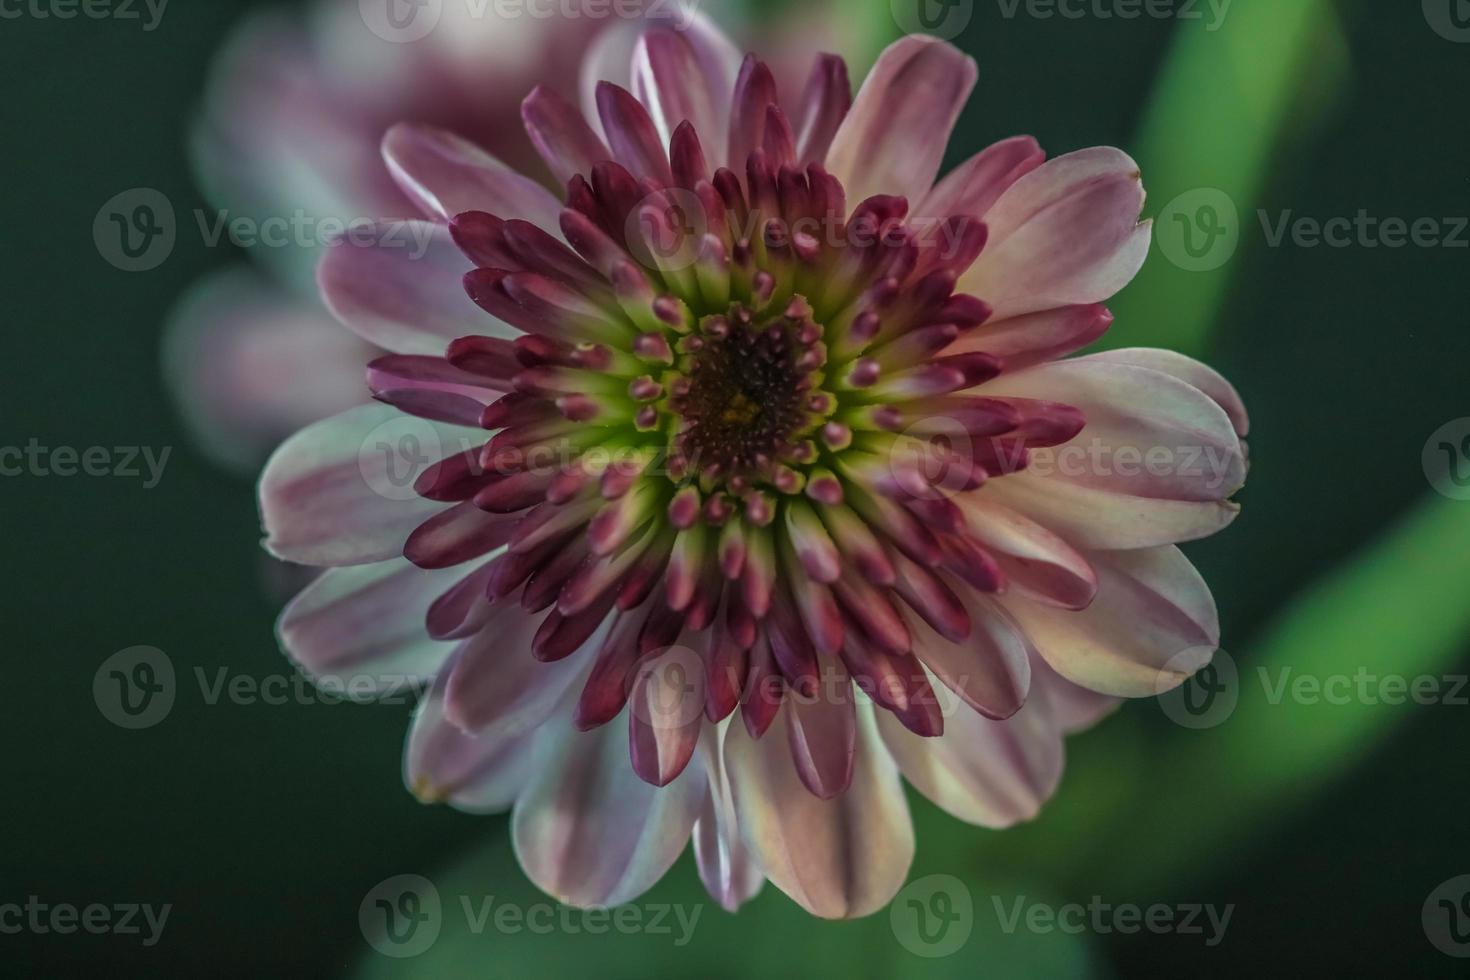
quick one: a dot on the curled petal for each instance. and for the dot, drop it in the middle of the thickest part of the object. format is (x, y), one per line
(1065, 234)
(726, 866)
(336, 493)
(1023, 341)
(1157, 457)
(974, 186)
(840, 858)
(360, 630)
(1189, 371)
(991, 670)
(587, 830)
(1152, 626)
(893, 140)
(397, 285)
(1035, 561)
(446, 175)
(666, 709)
(475, 773)
(989, 773)
(497, 685)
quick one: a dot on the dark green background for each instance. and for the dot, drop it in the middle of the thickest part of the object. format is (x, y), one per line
(264, 826)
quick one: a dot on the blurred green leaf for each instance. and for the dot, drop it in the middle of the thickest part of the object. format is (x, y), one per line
(1397, 610)
(1231, 97)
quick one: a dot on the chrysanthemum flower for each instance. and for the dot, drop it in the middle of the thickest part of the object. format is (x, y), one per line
(763, 482)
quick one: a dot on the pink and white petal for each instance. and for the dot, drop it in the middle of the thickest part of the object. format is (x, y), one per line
(610, 58)
(670, 79)
(838, 859)
(1088, 517)
(335, 494)
(360, 630)
(1148, 434)
(974, 186)
(1036, 562)
(894, 138)
(822, 731)
(400, 285)
(250, 364)
(729, 871)
(1075, 708)
(665, 714)
(1152, 626)
(989, 773)
(1067, 233)
(498, 686)
(446, 175)
(1191, 372)
(475, 773)
(1024, 341)
(587, 830)
(561, 135)
(991, 669)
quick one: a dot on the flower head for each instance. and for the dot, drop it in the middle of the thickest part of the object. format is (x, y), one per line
(760, 483)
